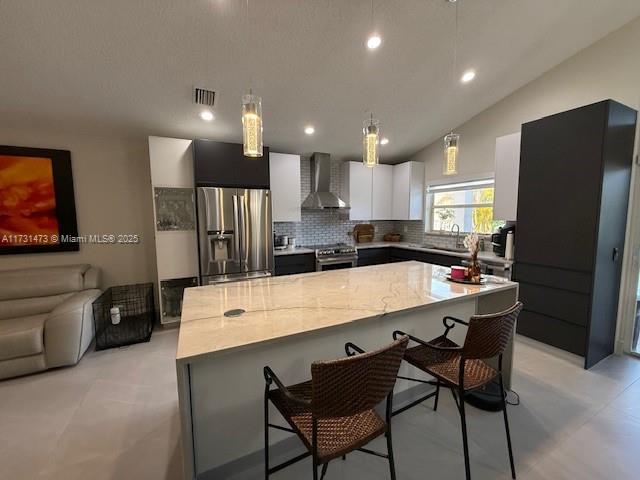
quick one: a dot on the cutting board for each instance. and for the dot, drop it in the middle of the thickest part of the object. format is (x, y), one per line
(363, 233)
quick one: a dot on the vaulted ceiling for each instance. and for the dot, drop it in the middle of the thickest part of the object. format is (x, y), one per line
(130, 66)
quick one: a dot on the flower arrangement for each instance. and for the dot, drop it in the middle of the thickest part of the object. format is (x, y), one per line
(472, 243)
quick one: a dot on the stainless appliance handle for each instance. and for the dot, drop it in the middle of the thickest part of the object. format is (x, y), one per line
(320, 262)
(235, 277)
(236, 230)
(244, 258)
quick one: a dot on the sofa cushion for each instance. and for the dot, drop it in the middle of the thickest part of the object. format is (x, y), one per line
(23, 307)
(22, 366)
(41, 282)
(20, 337)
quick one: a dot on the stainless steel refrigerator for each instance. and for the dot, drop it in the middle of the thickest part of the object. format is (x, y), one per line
(234, 234)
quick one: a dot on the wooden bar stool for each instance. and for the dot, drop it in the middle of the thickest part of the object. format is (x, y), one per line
(463, 368)
(333, 413)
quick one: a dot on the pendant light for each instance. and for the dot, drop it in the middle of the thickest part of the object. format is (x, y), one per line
(251, 119)
(371, 127)
(252, 125)
(451, 154)
(452, 140)
(370, 142)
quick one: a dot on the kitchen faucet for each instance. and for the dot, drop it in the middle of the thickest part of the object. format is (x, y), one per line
(457, 228)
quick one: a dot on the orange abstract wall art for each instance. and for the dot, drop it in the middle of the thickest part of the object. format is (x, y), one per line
(27, 199)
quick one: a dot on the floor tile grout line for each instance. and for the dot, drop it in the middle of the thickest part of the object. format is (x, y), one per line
(63, 430)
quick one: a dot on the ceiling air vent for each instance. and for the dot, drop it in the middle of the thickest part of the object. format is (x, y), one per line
(204, 97)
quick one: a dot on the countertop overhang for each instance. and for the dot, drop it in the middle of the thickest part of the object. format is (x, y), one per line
(279, 307)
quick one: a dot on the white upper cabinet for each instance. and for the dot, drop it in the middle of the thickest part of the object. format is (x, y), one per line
(505, 200)
(357, 185)
(284, 171)
(382, 192)
(171, 162)
(408, 191)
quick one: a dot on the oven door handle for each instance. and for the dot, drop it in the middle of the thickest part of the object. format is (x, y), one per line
(351, 261)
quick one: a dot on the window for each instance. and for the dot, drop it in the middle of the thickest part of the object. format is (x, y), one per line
(468, 205)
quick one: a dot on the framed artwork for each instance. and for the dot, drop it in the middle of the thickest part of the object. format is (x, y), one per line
(37, 205)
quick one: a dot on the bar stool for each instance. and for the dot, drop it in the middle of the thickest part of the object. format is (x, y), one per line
(463, 368)
(333, 413)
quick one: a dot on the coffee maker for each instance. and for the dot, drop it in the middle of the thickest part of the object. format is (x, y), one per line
(499, 239)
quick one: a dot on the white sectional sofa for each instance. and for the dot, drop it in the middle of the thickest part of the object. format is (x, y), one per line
(46, 317)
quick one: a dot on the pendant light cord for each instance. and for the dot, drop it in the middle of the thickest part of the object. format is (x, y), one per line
(455, 46)
(455, 49)
(372, 17)
(249, 42)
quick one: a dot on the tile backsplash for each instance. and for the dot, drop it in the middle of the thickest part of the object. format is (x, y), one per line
(327, 226)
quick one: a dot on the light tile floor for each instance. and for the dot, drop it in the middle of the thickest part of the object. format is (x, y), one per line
(114, 416)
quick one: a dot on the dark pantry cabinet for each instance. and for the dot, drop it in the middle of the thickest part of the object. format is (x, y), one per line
(575, 170)
(220, 164)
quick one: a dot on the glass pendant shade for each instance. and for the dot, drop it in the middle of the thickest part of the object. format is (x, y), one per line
(252, 125)
(370, 142)
(451, 143)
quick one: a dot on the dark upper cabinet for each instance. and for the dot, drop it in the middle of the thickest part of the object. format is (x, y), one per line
(575, 171)
(220, 164)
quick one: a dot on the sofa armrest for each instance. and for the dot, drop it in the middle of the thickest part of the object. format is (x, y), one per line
(69, 329)
(92, 278)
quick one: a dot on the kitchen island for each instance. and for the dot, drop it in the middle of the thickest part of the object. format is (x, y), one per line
(289, 322)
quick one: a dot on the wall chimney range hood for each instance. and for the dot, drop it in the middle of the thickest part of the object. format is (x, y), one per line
(320, 197)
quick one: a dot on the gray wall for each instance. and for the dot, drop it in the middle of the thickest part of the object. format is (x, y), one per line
(610, 68)
(113, 196)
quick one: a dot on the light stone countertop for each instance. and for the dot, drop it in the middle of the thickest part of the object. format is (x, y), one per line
(292, 251)
(279, 307)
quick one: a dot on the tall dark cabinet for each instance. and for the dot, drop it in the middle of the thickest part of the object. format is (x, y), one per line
(575, 170)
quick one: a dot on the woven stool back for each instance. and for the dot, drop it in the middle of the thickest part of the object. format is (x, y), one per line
(348, 386)
(489, 335)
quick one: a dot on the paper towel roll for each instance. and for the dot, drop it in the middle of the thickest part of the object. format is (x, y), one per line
(508, 249)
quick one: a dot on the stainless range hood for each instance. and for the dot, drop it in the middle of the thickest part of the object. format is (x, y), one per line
(320, 197)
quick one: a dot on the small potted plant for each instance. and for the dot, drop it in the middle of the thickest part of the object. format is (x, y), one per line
(472, 243)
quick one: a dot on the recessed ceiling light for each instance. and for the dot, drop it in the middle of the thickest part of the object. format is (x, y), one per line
(374, 41)
(206, 115)
(384, 141)
(468, 76)
(309, 130)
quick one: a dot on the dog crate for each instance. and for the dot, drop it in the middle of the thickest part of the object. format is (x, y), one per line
(124, 315)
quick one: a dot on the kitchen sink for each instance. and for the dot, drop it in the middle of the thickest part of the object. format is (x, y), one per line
(453, 249)
(442, 249)
(421, 245)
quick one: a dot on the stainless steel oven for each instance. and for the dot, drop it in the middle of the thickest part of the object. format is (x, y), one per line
(335, 263)
(335, 257)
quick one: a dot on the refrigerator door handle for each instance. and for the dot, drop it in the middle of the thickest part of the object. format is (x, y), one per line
(236, 230)
(244, 245)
